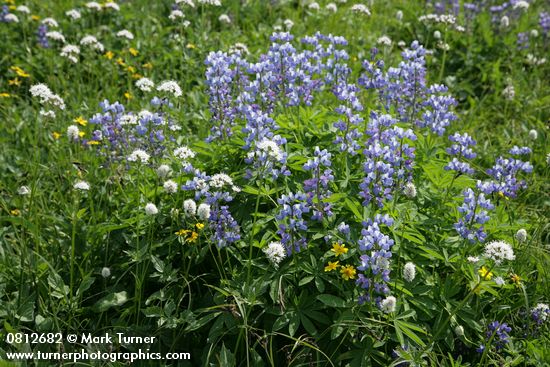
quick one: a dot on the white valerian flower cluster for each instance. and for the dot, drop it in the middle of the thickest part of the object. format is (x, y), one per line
(151, 209)
(219, 180)
(535, 61)
(125, 34)
(360, 8)
(170, 86)
(92, 42)
(23, 9)
(314, 6)
(210, 2)
(184, 153)
(50, 22)
(275, 253)
(176, 14)
(11, 18)
(438, 18)
(111, 5)
(82, 186)
(473, 259)
(388, 304)
(203, 212)
(269, 148)
(498, 251)
(92, 5)
(186, 2)
(23, 190)
(105, 272)
(71, 52)
(47, 99)
(56, 36)
(139, 155)
(239, 48)
(521, 235)
(409, 272)
(73, 14)
(145, 84)
(288, 24)
(523, 5)
(509, 92)
(128, 119)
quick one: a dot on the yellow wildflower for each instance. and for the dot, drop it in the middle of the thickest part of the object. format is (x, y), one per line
(81, 133)
(331, 266)
(109, 55)
(485, 273)
(13, 7)
(515, 279)
(131, 69)
(81, 121)
(14, 81)
(93, 142)
(137, 76)
(199, 226)
(120, 61)
(339, 249)
(191, 46)
(20, 72)
(128, 95)
(133, 51)
(35, 17)
(348, 272)
(5, 95)
(56, 135)
(181, 232)
(148, 65)
(15, 212)
(193, 237)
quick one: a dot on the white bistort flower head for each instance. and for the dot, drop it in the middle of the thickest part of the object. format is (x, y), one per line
(409, 272)
(23, 190)
(105, 272)
(170, 86)
(288, 24)
(11, 18)
(384, 41)
(498, 251)
(459, 330)
(82, 186)
(275, 253)
(409, 190)
(73, 132)
(163, 171)
(145, 84)
(203, 212)
(170, 186)
(151, 209)
(331, 7)
(139, 155)
(314, 6)
(533, 134)
(521, 235)
(224, 18)
(504, 22)
(521, 5)
(399, 15)
(111, 5)
(190, 207)
(388, 304)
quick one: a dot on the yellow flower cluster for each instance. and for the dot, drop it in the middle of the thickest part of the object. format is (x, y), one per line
(347, 271)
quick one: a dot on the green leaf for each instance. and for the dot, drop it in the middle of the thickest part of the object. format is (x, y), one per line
(331, 301)
(111, 300)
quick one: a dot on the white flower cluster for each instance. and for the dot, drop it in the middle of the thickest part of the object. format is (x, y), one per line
(47, 97)
(384, 41)
(331, 7)
(314, 6)
(56, 36)
(139, 155)
(523, 5)
(388, 304)
(151, 209)
(170, 86)
(239, 48)
(50, 22)
(23, 9)
(92, 42)
(210, 2)
(11, 18)
(125, 34)
(361, 8)
(521, 235)
(535, 61)
(184, 153)
(176, 14)
(224, 18)
(509, 92)
(82, 186)
(186, 2)
(71, 52)
(438, 18)
(73, 14)
(275, 253)
(73, 133)
(409, 190)
(170, 186)
(92, 5)
(269, 148)
(111, 5)
(409, 272)
(543, 311)
(163, 171)
(145, 84)
(219, 180)
(128, 119)
(498, 251)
